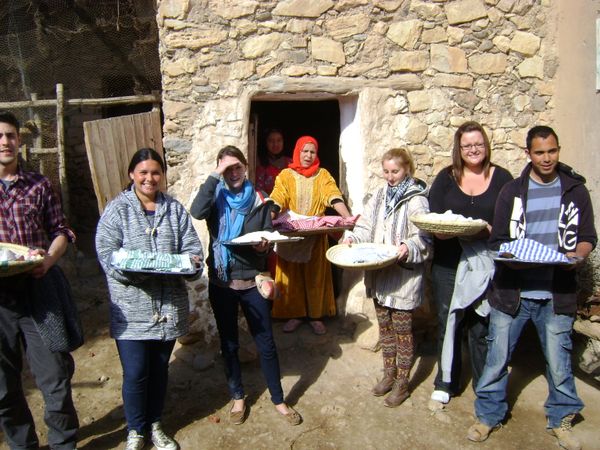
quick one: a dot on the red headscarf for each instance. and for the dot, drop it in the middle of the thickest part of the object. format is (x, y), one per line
(297, 165)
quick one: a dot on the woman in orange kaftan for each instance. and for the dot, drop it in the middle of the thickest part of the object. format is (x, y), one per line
(303, 274)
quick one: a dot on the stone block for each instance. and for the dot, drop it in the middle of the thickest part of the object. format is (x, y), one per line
(346, 26)
(257, 46)
(448, 59)
(505, 6)
(520, 102)
(241, 70)
(451, 80)
(298, 71)
(174, 9)
(434, 35)
(405, 33)
(263, 69)
(388, 5)
(525, 43)
(299, 26)
(463, 11)
(233, 9)
(489, 63)
(426, 10)
(442, 136)
(532, 67)
(181, 66)
(195, 39)
(327, 71)
(414, 61)
(455, 35)
(173, 109)
(418, 101)
(502, 43)
(302, 8)
(326, 49)
(416, 132)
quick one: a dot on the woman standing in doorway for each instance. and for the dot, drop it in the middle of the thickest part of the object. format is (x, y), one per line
(271, 161)
(469, 187)
(147, 311)
(303, 274)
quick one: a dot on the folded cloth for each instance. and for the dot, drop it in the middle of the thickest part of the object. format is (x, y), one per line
(55, 313)
(530, 250)
(142, 260)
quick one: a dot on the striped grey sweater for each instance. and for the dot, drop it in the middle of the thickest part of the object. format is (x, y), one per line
(146, 306)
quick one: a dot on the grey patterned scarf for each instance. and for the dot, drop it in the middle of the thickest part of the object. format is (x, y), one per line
(395, 193)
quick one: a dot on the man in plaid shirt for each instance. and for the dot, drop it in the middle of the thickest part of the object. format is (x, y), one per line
(31, 215)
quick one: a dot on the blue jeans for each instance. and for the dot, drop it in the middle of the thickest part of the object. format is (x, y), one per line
(145, 377)
(473, 324)
(554, 331)
(225, 304)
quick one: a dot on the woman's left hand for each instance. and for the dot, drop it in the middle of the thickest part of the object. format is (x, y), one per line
(402, 252)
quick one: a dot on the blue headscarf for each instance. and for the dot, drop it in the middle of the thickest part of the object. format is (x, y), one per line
(232, 209)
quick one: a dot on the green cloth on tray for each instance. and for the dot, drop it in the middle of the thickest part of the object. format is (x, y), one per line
(139, 260)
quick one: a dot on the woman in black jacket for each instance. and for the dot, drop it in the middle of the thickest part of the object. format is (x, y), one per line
(232, 207)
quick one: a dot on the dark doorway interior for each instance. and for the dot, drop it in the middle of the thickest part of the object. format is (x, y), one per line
(320, 119)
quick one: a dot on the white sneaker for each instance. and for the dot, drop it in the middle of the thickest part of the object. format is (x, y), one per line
(160, 439)
(135, 441)
(440, 396)
(438, 401)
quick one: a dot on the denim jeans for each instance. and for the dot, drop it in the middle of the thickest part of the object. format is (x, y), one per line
(52, 372)
(225, 304)
(474, 325)
(145, 377)
(554, 331)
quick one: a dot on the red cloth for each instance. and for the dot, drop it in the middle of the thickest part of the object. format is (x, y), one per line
(284, 223)
(296, 165)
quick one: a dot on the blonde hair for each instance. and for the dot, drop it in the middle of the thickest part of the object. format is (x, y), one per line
(402, 157)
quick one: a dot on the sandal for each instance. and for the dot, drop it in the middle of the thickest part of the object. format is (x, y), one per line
(291, 325)
(237, 417)
(266, 286)
(479, 432)
(318, 327)
(292, 417)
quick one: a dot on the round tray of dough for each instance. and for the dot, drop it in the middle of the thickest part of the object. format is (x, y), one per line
(436, 223)
(15, 267)
(364, 256)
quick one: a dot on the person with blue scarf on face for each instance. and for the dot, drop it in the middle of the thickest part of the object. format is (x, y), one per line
(232, 207)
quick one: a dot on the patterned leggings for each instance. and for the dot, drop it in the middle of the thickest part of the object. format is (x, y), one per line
(396, 338)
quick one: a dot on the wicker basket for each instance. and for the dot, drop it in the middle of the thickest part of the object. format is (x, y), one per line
(370, 256)
(452, 228)
(10, 268)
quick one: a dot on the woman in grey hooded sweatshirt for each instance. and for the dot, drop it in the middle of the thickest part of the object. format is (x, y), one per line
(147, 311)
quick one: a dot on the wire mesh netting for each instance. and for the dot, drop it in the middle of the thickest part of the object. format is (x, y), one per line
(96, 49)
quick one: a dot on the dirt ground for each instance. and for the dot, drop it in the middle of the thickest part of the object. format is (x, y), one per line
(327, 378)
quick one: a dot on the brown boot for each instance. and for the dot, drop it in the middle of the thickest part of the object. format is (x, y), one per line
(398, 395)
(386, 383)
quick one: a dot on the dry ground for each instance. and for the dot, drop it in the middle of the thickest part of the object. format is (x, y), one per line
(327, 378)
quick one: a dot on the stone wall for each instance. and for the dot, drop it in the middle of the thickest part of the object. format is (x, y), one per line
(406, 73)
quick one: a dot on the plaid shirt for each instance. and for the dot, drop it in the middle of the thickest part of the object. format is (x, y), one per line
(31, 212)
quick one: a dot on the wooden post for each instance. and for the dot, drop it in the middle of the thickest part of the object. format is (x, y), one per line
(60, 144)
(156, 103)
(37, 120)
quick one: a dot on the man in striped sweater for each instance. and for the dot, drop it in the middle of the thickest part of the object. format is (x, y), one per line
(548, 203)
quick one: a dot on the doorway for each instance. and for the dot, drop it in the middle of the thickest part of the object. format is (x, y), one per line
(317, 118)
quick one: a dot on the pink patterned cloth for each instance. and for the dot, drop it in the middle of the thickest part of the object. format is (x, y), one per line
(285, 223)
